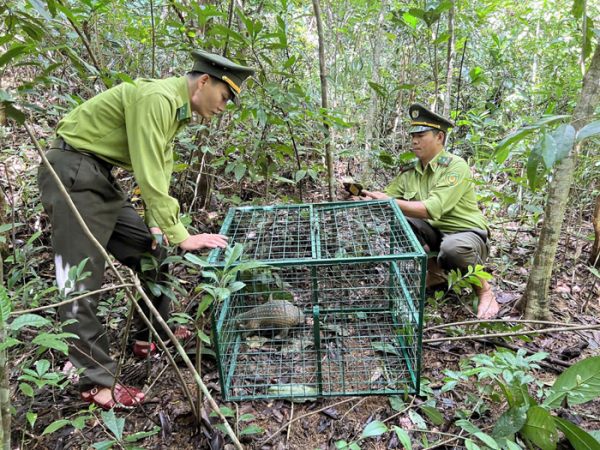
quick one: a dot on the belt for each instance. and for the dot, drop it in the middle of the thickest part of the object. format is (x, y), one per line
(59, 143)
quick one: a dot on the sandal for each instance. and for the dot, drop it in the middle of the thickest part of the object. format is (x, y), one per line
(141, 349)
(181, 334)
(125, 397)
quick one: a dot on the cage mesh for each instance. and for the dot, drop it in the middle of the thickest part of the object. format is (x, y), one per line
(354, 270)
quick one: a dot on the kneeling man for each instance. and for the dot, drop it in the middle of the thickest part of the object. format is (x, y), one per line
(435, 194)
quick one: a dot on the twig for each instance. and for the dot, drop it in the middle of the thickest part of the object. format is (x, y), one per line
(87, 46)
(12, 210)
(515, 333)
(144, 296)
(462, 60)
(352, 408)
(404, 410)
(158, 377)
(122, 356)
(287, 439)
(471, 322)
(306, 415)
(41, 308)
(153, 39)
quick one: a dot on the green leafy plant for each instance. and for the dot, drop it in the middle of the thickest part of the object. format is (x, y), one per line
(526, 422)
(228, 412)
(115, 426)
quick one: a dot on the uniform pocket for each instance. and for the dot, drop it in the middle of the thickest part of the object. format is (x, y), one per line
(409, 195)
(66, 165)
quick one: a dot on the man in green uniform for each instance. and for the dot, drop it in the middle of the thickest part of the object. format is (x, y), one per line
(133, 127)
(435, 194)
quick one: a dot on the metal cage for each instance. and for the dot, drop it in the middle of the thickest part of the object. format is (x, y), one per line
(357, 273)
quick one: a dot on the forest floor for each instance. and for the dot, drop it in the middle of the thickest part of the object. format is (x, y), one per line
(320, 424)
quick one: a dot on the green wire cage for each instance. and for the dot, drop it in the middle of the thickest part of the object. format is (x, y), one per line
(348, 279)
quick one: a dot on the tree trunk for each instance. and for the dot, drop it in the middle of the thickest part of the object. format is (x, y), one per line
(535, 297)
(4, 250)
(4, 396)
(366, 175)
(323, 74)
(450, 61)
(595, 257)
(435, 68)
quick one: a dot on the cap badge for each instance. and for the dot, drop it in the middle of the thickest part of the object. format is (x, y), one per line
(415, 113)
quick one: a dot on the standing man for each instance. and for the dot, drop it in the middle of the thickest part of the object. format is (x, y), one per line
(435, 194)
(133, 127)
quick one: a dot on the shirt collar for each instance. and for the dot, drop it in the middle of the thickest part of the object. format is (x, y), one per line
(184, 110)
(433, 163)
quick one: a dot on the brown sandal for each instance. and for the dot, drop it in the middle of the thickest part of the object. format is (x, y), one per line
(125, 397)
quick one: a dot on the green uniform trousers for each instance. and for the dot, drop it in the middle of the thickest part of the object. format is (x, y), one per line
(114, 222)
(455, 250)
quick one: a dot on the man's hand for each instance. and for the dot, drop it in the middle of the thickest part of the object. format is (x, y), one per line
(199, 241)
(157, 231)
(375, 195)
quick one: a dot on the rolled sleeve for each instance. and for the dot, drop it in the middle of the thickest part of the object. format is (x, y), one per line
(148, 121)
(448, 191)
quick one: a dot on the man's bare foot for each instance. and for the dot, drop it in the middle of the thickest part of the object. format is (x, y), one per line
(488, 306)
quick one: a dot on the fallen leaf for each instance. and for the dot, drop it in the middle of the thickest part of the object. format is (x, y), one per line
(562, 288)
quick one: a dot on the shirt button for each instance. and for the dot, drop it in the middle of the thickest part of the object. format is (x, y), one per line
(170, 236)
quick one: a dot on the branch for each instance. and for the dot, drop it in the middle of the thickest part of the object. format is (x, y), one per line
(87, 46)
(71, 300)
(515, 333)
(471, 322)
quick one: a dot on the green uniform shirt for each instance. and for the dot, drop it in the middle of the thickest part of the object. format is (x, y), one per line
(445, 190)
(133, 127)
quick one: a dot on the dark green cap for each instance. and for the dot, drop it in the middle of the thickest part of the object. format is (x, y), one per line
(223, 69)
(423, 119)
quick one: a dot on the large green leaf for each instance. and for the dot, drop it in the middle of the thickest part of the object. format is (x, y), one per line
(500, 155)
(548, 150)
(580, 383)
(591, 129)
(375, 428)
(56, 426)
(5, 305)
(511, 421)
(564, 136)
(434, 415)
(579, 439)
(577, 9)
(404, 438)
(196, 260)
(14, 51)
(28, 320)
(113, 424)
(540, 428)
(534, 161)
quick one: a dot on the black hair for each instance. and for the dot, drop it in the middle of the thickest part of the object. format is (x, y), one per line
(436, 132)
(195, 75)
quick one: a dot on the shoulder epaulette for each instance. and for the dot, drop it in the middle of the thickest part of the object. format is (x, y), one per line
(409, 165)
(182, 112)
(445, 160)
